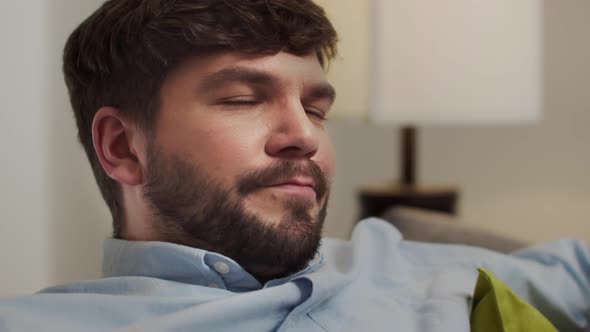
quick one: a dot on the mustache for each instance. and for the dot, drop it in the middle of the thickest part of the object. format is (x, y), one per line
(285, 169)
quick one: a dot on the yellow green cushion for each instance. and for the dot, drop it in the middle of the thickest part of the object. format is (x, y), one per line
(496, 308)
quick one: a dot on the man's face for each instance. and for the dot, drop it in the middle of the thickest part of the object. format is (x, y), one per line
(240, 162)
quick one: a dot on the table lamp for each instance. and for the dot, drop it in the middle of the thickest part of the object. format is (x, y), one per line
(442, 63)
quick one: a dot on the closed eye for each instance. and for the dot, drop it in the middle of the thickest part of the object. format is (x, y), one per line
(316, 113)
(239, 101)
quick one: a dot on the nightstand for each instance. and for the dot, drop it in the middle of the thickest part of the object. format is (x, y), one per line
(378, 198)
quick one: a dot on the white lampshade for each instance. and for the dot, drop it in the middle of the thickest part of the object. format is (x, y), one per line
(455, 62)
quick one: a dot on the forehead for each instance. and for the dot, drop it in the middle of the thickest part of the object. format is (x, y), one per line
(287, 68)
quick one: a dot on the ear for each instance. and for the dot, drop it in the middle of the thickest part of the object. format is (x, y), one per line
(115, 143)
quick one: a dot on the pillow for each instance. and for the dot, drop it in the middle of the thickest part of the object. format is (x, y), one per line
(496, 308)
(429, 226)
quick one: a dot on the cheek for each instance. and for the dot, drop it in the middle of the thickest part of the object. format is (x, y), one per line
(225, 151)
(326, 158)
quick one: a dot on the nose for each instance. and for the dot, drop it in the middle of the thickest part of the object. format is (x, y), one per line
(293, 134)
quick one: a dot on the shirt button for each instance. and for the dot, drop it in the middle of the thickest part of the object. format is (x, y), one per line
(221, 267)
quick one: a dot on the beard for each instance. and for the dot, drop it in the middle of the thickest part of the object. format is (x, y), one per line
(190, 208)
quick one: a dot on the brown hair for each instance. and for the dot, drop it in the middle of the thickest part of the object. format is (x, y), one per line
(120, 55)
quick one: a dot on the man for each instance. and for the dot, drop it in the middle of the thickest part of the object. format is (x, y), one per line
(203, 121)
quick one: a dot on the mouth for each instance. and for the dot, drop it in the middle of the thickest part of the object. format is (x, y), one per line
(288, 179)
(301, 187)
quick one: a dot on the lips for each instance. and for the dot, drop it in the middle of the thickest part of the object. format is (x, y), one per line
(297, 186)
(292, 177)
(301, 182)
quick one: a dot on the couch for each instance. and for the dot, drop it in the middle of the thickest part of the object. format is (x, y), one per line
(430, 226)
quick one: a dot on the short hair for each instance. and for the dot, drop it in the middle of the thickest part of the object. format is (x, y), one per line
(121, 54)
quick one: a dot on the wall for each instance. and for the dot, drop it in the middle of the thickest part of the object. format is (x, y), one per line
(23, 148)
(531, 182)
(53, 221)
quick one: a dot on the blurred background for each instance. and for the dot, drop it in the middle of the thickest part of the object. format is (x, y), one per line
(530, 182)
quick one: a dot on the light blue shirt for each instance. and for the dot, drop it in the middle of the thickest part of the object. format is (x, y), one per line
(374, 282)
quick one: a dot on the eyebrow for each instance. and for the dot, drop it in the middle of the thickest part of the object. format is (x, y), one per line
(322, 91)
(237, 74)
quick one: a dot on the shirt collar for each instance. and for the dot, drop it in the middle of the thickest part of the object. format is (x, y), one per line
(184, 264)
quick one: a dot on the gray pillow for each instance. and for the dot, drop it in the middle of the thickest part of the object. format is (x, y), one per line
(427, 226)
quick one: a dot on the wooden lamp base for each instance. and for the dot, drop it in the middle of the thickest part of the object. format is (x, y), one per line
(375, 200)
